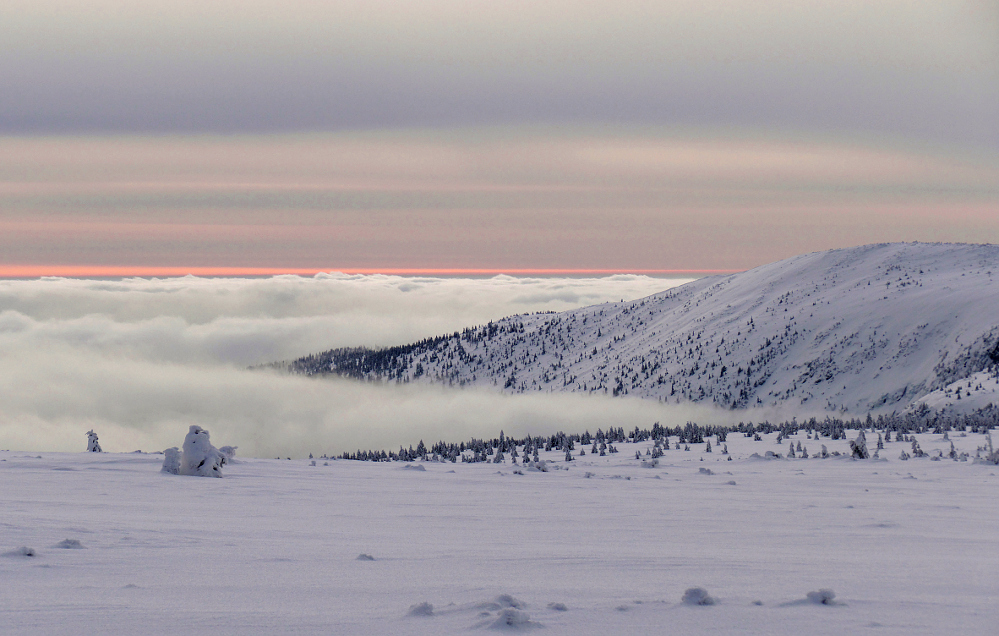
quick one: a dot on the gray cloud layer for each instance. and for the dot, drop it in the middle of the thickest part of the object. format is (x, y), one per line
(909, 68)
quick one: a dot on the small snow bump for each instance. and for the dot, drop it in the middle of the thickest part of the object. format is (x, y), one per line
(70, 544)
(365, 557)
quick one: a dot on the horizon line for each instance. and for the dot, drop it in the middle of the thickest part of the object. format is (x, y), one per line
(113, 271)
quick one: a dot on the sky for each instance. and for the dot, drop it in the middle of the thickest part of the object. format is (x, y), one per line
(437, 135)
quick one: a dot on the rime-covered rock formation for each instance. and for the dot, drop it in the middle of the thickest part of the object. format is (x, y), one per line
(871, 328)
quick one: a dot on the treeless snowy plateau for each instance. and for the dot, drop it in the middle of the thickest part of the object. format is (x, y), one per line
(107, 543)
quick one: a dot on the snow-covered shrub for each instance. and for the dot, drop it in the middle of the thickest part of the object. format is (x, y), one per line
(93, 446)
(421, 609)
(198, 457)
(201, 459)
(822, 597)
(858, 447)
(510, 618)
(508, 600)
(697, 596)
(230, 452)
(991, 453)
(171, 461)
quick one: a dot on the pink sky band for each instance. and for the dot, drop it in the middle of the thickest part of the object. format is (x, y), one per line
(96, 271)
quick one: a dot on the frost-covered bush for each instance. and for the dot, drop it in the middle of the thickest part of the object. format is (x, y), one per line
(171, 461)
(697, 596)
(858, 447)
(510, 618)
(198, 457)
(93, 446)
(421, 609)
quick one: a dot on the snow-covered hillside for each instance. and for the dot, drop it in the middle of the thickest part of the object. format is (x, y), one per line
(976, 392)
(871, 328)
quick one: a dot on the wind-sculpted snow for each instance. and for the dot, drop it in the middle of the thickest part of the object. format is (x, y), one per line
(871, 328)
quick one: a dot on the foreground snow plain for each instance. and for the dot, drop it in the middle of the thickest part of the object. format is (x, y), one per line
(909, 547)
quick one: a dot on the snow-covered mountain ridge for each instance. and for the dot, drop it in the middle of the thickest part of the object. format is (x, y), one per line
(871, 328)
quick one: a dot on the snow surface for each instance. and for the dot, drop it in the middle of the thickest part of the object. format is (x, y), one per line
(601, 545)
(867, 329)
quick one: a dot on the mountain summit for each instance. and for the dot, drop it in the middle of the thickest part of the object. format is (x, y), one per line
(870, 328)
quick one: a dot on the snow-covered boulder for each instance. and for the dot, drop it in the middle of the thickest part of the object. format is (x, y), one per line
(93, 446)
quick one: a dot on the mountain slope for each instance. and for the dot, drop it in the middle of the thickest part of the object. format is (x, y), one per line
(850, 330)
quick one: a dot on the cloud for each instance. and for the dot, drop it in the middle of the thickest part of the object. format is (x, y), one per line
(240, 322)
(52, 397)
(141, 360)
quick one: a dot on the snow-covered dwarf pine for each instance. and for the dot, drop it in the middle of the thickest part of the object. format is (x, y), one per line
(198, 458)
(93, 446)
(858, 447)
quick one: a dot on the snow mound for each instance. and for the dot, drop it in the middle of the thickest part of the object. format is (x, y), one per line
(697, 596)
(705, 471)
(558, 607)
(421, 609)
(414, 467)
(23, 551)
(365, 557)
(70, 544)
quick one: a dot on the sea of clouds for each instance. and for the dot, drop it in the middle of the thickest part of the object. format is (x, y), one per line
(140, 360)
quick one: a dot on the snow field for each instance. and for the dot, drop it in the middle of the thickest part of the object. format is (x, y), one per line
(908, 547)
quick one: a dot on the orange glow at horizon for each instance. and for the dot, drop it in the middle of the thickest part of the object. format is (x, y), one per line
(102, 271)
